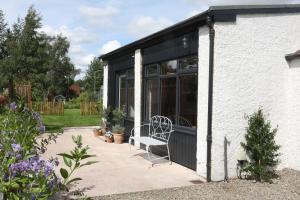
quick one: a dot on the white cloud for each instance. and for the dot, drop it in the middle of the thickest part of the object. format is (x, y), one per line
(109, 46)
(145, 25)
(98, 15)
(77, 35)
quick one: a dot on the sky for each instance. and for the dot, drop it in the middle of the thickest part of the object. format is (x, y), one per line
(96, 27)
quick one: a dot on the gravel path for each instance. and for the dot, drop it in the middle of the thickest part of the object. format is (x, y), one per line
(287, 187)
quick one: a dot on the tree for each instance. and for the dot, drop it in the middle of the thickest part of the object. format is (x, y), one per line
(94, 75)
(62, 72)
(261, 147)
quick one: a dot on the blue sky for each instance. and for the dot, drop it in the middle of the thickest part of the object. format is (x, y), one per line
(94, 27)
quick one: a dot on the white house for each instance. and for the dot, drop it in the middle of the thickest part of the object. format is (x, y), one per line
(206, 73)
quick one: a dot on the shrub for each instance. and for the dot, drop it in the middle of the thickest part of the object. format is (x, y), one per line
(24, 173)
(260, 145)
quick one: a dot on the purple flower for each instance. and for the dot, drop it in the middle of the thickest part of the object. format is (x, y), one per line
(42, 129)
(16, 147)
(37, 117)
(1, 147)
(13, 106)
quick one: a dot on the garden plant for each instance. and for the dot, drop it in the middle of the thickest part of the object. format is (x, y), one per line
(261, 147)
(24, 173)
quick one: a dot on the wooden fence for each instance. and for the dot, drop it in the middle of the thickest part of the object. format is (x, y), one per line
(24, 91)
(51, 108)
(88, 108)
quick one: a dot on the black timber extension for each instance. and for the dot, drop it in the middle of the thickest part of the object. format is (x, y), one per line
(123, 58)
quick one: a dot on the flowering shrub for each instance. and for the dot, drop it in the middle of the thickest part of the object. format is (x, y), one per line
(24, 174)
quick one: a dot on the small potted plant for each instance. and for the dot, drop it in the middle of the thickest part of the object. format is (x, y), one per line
(97, 132)
(108, 118)
(118, 133)
(109, 137)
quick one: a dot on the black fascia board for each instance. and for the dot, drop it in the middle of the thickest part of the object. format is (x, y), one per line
(218, 13)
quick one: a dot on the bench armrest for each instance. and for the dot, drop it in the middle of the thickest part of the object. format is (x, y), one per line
(132, 130)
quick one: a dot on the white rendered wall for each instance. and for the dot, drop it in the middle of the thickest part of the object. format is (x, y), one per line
(203, 68)
(137, 91)
(251, 71)
(105, 86)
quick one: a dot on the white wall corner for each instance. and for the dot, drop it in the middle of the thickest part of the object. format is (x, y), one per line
(137, 91)
(105, 86)
(203, 68)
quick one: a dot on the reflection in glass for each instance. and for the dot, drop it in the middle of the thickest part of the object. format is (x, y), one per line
(151, 69)
(188, 63)
(168, 97)
(151, 98)
(169, 67)
(188, 101)
(130, 103)
(122, 91)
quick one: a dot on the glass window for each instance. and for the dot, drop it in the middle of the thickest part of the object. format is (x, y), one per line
(168, 98)
(188, 63)
(188, 101)
(173, 96)
(151, 97)
(169, 67)
(130, 73)
(122, 91)
(151, 69)
(130, 103)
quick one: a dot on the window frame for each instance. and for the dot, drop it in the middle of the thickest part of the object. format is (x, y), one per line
(159, 76)
(128, 77)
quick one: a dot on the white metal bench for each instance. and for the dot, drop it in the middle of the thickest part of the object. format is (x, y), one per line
(160, 129)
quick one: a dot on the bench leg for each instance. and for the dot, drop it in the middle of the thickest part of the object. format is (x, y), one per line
(149, 156)
(169, 154)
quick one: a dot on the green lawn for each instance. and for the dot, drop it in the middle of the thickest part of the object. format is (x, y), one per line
(71, 118)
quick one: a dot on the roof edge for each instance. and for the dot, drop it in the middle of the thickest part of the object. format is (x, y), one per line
(219, 13)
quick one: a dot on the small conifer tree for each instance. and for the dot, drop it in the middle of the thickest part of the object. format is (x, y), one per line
(260, 145)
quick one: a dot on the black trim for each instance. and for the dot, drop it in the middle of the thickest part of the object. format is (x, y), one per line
(219, 13)
(210, 24)
(291, 56)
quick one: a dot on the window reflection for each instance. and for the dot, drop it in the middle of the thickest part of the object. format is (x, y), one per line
(130, 89)
(122, 91)
(169, 67)
(151, 98)
(168, 97)
(188, 101)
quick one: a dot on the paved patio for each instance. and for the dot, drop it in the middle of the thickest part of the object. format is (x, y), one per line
(120, 170)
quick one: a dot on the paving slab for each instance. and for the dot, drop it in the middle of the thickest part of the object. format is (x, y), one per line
(120, 170)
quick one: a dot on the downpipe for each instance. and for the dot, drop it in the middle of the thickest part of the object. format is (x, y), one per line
(210, 25)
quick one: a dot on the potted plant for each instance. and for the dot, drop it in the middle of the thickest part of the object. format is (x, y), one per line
(118, 129)
(97, 132)
(118, 133)
(108, 118)
(109, 137)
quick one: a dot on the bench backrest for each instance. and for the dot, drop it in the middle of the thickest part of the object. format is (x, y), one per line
(161, 127)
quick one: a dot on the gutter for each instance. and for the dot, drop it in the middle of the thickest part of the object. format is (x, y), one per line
(210, 24)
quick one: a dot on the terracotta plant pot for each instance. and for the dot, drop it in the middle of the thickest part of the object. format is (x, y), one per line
(109, 139)
(96, 133)
(118, 138)
(103, 131)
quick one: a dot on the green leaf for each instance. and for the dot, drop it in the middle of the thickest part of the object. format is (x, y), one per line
(67, 161)
(89, 163)
(65, 155)
(87, 156)
(73, 180)
(64, 173)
